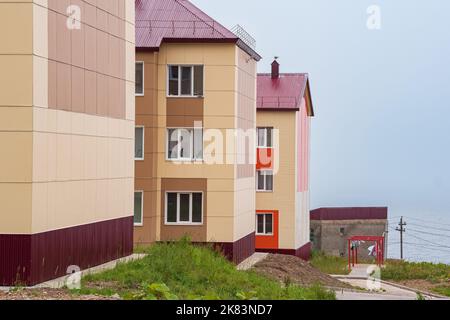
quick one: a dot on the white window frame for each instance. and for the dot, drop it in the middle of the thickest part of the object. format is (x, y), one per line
(265, 146)
(143, 144)
(265, 234)
(179, 81)
(184, 223)
(141, 224)
(143, 80)
(265, 181)
(192, 141)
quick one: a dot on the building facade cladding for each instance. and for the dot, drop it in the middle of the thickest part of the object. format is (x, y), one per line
(228, 103)
(66, 131)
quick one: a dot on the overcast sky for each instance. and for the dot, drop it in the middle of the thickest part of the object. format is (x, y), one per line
(381, 135)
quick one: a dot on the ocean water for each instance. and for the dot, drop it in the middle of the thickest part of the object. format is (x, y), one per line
(427, 238)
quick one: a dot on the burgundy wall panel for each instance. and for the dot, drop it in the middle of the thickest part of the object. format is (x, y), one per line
(240, 250)
(45, 256)
(15, 259)
(357, 213)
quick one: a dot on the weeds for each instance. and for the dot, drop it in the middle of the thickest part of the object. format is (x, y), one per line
(183, 271)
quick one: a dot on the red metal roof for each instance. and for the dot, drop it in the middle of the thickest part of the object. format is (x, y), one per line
(357, 213)
(159, 21)
(283, 93)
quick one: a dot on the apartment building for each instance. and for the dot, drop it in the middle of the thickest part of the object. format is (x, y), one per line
(66, 135)
(195, 93)
(284, 115)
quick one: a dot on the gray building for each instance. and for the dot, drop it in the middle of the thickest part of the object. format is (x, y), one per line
(331, 227)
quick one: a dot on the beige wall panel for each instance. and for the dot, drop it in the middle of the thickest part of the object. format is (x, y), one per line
(15, 208)
(220, 229)
(219, 98)
(16, 80)
(16, 27)
(220, 78)
(16, 156)
(221, 204)
(16, 119)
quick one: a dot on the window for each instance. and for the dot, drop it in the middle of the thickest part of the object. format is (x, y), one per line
(139, 143)
(264, 181)
(185, 81)
(138, 208)
(184, 208)
(185, 144)
(265, 137)
(264, 224)
(139, 79)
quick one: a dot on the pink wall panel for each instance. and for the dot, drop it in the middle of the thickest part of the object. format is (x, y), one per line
(303, 141)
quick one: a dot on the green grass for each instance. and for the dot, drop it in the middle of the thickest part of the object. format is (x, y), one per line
(443, 290)
(183, 271)
(401, 270)
(329, 264)
(437, 275)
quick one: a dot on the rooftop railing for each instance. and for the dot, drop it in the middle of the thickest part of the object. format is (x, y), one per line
(242, 34)
(195, 27)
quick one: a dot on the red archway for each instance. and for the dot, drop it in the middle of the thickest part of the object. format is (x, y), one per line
(353, 250)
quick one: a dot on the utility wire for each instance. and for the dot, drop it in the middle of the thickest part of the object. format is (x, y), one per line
(428, 227)
(431, 242)
(429, 221)
(429, 233)
(426, 247)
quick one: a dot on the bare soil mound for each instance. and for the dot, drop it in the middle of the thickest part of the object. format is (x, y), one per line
(295, 270)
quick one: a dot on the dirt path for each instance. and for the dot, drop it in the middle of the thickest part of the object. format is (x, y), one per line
(292, 269)
(47, 294)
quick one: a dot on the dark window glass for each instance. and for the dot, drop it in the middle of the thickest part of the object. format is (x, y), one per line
(269, 224)
(198, 81)
(186, 81)
(260, 180)
(269, 137)
(139, 143)
(172, 207)
(138, 207)
(197, 204)
(173, 81)
(139, 78)
(269, 181)
(184, 207)
(260, 224)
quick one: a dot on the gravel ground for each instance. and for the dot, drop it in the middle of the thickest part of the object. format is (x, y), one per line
(47, 294)
(289, 268)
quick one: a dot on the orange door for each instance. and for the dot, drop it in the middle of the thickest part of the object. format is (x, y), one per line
(267, 233)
